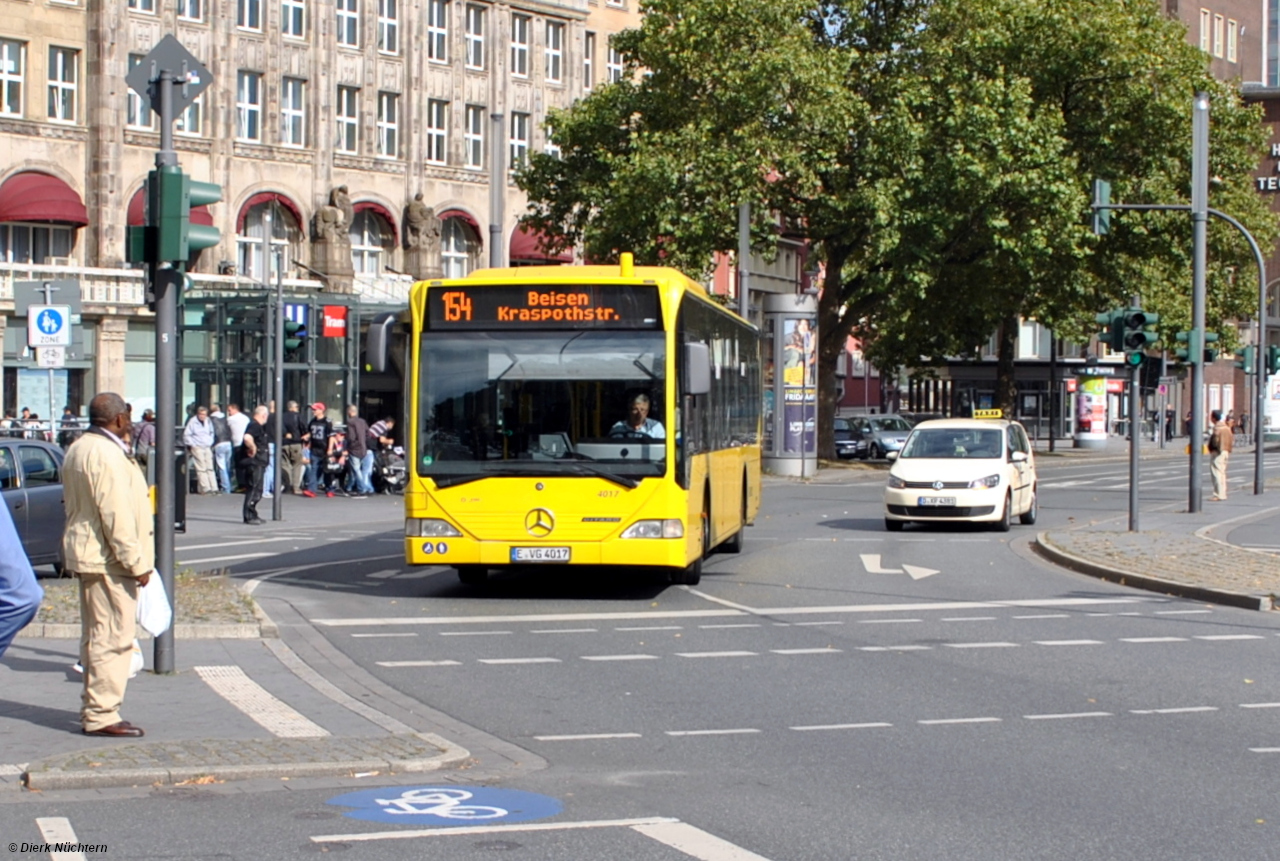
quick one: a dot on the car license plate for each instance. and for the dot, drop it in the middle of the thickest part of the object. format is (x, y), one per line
(937, 501)
(539, 554)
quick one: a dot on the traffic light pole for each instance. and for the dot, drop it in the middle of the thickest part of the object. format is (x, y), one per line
(277, 501)
(1135, 425)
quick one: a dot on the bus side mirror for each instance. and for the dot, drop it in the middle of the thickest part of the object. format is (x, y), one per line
(377, 343)
(697, 364)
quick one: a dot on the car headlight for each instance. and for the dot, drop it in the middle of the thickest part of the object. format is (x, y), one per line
(989, 481)
(896, 482)
(655, 529)
(426, 527)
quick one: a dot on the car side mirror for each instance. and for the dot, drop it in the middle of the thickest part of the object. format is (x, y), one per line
(1018, 457)
(890, 455)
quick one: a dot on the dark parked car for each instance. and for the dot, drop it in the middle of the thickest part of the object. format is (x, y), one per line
(848, 443)
(31, 483)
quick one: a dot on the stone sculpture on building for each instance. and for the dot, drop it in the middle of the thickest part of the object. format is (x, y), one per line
(421, 240)
(331, 241)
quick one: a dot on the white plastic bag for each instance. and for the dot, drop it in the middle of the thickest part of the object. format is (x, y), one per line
(136, 662)
(155, 614)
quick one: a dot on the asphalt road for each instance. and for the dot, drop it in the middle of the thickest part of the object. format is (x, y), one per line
(834, 692)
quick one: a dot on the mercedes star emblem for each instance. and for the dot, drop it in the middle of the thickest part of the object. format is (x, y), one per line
(539, 523)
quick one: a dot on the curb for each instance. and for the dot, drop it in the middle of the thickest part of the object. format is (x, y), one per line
(1051, 552)
(451, 754)
(262, 629)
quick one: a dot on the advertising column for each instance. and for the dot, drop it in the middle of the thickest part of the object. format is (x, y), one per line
(793, 322)
(1091, 412)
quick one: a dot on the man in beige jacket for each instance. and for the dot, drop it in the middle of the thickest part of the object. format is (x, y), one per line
(109, 543)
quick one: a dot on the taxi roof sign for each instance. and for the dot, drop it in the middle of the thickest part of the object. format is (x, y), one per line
(988, 414)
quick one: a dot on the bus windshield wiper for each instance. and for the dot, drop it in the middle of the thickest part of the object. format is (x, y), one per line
(536, 468)
(586, 469)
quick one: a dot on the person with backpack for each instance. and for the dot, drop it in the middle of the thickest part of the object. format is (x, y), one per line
(144, 438)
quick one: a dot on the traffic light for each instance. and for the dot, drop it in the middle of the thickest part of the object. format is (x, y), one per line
(1185, 349)
(1196, 345)
(1136, 338)
(1210, 353)
(1101, 198)
(170, 196)
(1248, 361)
(1113, 334)
(294, 334)
(1273, 360)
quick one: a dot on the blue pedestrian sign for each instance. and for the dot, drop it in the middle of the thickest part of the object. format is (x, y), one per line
(447, 805)
(49, 326)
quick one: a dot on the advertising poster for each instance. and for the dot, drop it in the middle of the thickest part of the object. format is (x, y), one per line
(1091, 408)
(799, 385)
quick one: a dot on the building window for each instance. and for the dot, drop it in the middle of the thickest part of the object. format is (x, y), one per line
(34, 243)
(1217, 35)
(148, 6)
(438, 31)
(1204, 30)
(293, 112)
(459, 248)
(389, 26)
(349, 23)
(437, 131)
(555, 52)
(293, 18)
(370, 239)
(589, 61)
(191, 10)
(388, 125)
(551, 149)
(188, 122)
(284, 236)
(473, 137)
(621, 4)
(475, 36)
(249, 14)
(520, 46)
(137, 114)
(519, 139)
(613, 65)
(348, 119)
(12, 60)
(1233, 41)
(62, 84)
(248, 106)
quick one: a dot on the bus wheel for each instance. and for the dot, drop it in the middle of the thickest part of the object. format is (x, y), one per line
(692, 575)
(734, 543)
(473, 575)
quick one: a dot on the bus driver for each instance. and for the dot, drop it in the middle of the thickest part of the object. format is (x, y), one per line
(637, 422)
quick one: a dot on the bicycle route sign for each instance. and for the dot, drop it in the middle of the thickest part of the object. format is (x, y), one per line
(447, 805)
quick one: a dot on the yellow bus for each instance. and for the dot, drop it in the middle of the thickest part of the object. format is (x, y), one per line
(583, 415)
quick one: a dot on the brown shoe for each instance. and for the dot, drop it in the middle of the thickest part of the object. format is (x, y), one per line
(123, 729)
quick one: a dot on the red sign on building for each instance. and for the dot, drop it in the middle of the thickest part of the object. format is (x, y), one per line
(335, 321)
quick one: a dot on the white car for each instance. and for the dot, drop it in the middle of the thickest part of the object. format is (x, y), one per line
(974, 470)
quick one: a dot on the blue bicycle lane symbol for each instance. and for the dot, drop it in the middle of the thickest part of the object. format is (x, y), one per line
(447, 805)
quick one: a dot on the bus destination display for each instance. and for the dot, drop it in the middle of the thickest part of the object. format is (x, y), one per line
(543, 306)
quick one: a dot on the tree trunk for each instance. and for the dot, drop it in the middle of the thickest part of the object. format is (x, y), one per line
(1006, 385)
(832, 334)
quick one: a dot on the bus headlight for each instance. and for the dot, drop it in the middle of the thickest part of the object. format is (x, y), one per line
(655, 529)
(426, 527)
(989, 481)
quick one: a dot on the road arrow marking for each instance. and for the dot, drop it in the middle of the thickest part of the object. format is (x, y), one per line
(871, 561)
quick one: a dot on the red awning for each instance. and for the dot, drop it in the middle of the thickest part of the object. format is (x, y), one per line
(384, 213)
(528, 245)
(137, 211)
(267, 197)
(31, 196)
(466, 218)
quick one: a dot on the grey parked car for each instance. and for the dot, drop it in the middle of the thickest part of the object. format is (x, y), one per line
(31, 483)
(881, 435)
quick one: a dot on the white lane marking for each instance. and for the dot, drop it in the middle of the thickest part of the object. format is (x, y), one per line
(592, 736)
(453, 831)
(1260, 705)
(1181, 711)
(1068, 642)
(696, 843)
(567, 631)
(832, 726)
(1046, 616)
(188, 547)
(1068, 716)
(273, 715)
(223, 558)
(716, 654)
(57, 829)
(397, 634)
(945, 721)
(474, 633)
(520, 661)
(684, 732)
(886, 621)
(1180, 612)
(1228, 637)
(1128, 614)
(653, 628)
(894, 648)
(968, 619)
(813, 624)
(1264, 749)
(7, 770)
(1153, 639)
(721, 601)
(726, 613)
(995, 645)
(383, 575)
(823, 651)
(619, 657)
(735, 625)
(419, 663)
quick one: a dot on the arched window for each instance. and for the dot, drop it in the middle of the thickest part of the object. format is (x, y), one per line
(39, 215)
(459, 248)
(371, 238)
(285, 238)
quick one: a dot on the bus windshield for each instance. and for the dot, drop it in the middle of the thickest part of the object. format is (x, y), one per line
(548, 403)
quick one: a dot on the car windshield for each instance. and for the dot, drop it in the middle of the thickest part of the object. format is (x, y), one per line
(541, 403)
(890, 424)
(954, 443)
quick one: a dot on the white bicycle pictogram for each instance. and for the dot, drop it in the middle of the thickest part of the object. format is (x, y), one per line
(438, 801)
